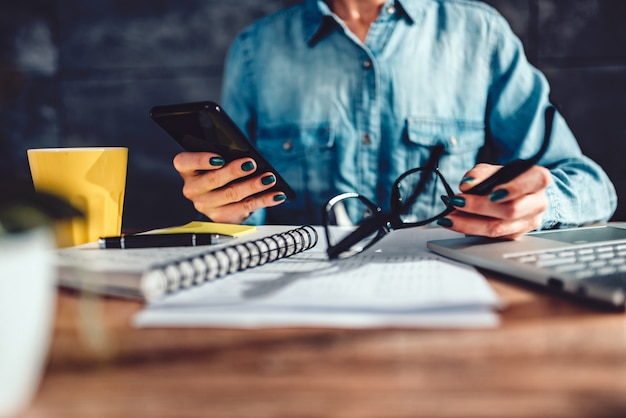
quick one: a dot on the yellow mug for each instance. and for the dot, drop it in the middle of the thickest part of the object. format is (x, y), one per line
(93, 179)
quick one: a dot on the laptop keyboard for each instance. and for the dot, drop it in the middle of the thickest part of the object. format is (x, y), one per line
(587, 262)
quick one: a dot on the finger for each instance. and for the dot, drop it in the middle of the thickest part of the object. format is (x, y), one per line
(200, 184)
(239, 211)
(521, 207)
(491, 227)
(534, 180)
(476, 175)
(233, 192)
(188, 163)
(236, 192)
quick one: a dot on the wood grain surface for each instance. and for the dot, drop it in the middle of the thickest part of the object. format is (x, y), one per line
(551, 357)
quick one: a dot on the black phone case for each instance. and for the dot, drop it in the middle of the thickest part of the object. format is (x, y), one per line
(205, 127)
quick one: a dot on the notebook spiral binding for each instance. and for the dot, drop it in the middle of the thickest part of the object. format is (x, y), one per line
(220, 262)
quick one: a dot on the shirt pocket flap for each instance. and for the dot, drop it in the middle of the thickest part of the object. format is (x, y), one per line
(456, 136)
(289, 141)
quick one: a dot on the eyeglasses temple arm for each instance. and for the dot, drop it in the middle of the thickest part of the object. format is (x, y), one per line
(366, 228)
(516, 167)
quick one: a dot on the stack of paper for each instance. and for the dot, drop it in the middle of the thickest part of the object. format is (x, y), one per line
(398, 283)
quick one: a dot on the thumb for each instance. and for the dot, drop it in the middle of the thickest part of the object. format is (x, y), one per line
(476, 175)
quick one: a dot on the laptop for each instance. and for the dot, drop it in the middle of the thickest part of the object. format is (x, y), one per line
(586, 262)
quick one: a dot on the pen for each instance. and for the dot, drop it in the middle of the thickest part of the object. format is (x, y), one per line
(513, 169)
(162, 240)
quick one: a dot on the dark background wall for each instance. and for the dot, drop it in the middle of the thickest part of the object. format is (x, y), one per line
(86, 72)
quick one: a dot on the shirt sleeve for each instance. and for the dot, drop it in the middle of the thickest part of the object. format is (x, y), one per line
(580, 192)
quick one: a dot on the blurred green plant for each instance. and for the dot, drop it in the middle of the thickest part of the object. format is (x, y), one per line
(22, 208)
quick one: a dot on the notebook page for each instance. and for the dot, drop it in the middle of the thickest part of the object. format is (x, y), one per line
(398, 277)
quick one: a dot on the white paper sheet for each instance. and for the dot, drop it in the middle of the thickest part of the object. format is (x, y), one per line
(396, 283)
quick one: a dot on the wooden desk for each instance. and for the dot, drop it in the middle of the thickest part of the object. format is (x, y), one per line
(549, 358)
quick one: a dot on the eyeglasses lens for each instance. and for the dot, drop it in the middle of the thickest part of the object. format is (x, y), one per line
(417, 196)
(343, 219)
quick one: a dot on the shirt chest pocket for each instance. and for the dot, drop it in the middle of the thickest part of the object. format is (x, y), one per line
(460, 141)
(303, 156)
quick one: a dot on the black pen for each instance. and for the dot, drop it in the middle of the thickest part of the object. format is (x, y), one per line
(162, 240)
(513, 169)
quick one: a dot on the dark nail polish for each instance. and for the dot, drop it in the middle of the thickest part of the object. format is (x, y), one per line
(467, 179)
(445, 222)
(280, 198)
(269, 179)
(217, 161)
(498, 195)
(458, 201)
(247, 166)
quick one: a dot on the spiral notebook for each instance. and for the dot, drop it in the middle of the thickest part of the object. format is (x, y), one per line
(151, 273)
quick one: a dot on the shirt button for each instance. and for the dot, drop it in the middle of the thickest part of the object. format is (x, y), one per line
(453, 141)
(367, 139)
(391, 10)
(287, 145)
(367, 64)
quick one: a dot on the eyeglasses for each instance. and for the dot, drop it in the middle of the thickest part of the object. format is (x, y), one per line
(353, 223)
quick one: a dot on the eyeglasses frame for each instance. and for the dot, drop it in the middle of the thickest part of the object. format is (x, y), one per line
(381, 221)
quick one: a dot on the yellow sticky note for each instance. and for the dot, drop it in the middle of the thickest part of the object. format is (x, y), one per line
(200, 227)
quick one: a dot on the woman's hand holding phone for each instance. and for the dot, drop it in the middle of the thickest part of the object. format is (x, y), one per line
(225, 176)
(208, 184)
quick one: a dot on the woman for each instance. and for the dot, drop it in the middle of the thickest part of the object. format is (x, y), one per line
(346, 95)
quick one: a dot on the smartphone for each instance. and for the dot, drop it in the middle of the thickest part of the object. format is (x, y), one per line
(205, 126)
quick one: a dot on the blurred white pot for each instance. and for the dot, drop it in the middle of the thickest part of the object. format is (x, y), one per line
(27, 308)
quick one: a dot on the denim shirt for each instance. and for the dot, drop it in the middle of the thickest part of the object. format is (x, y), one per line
(334, 114)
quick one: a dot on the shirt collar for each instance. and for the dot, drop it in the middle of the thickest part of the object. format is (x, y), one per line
(412, 10)
(319, 20)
